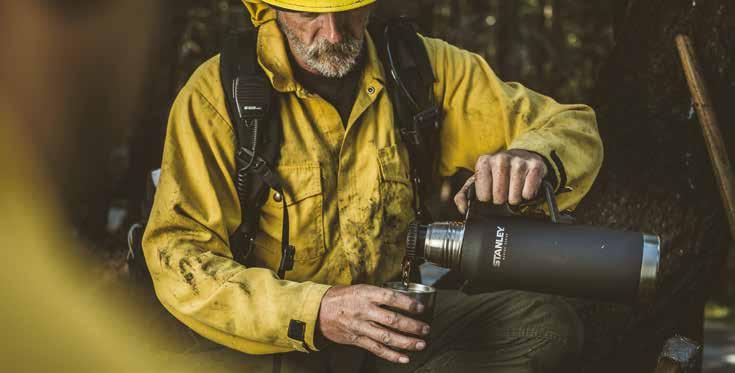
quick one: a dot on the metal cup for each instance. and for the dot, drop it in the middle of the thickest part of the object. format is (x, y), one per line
(425, 294)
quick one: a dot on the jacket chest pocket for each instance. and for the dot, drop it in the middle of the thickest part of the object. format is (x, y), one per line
(396, 191)
(302, 189)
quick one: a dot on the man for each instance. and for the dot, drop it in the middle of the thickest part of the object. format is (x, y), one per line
(350, 202)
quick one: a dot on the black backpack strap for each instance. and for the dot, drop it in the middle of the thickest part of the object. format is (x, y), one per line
(250, 100)
(411, 79)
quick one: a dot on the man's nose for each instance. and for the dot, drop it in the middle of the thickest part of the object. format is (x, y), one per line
(332, 28)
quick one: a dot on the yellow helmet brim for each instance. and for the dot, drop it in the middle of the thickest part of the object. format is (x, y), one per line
(318, 6)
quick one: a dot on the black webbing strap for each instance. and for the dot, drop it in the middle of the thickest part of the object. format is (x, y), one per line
(249, 99)
(411, 80)
(260, 168)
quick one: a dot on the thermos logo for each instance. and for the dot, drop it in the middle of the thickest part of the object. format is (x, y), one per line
(499, 249)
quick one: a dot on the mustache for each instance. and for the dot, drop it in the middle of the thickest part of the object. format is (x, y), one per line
(346, 49)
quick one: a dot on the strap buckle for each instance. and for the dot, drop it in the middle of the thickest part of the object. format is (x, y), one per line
(249, 123)
(411, 136)
(252, 161)
(428, 118)
(251, 246)
(287, 261)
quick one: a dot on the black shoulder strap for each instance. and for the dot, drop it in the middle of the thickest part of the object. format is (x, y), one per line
(411, 79)
(250, 99)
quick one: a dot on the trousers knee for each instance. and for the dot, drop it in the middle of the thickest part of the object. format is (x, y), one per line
(544, 329)
(558, 330)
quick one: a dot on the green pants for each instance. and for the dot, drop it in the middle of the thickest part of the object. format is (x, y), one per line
(506, 331)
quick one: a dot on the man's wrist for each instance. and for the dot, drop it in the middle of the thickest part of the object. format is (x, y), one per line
(320, 341)
(310, 315)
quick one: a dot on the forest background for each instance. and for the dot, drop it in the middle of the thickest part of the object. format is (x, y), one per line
(616, 55)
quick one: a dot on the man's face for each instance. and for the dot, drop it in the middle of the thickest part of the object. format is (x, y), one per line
(328, 44)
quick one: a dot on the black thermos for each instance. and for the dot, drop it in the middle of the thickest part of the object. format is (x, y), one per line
(515, 252)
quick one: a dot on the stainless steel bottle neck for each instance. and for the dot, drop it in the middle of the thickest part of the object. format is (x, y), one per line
(443, 244)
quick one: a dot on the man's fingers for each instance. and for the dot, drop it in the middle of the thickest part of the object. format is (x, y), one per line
(484, 180)
(396, 321)
(533, 183)
(506, 177)
(518, 172)
(394, 299)
(501, 178)
(390, 338)
(381, 350)
(461, 199)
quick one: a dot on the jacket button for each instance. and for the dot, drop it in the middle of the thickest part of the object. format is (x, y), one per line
(278, 197)
(371, 90)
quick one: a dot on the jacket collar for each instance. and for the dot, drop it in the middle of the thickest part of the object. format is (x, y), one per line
(273, 57)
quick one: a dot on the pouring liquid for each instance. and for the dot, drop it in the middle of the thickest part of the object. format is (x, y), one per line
(406, 267)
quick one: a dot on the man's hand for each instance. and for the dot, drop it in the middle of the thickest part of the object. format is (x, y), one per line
(509, 176)
(352, 315)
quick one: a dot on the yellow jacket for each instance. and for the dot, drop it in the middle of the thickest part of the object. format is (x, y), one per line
(348, 192)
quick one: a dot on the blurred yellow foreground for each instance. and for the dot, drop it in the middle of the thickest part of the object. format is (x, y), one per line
(58, 65)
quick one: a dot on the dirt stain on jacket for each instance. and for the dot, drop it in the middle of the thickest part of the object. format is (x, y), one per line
(185, 269)
(230, 326)
(243, 286)
(164, 257)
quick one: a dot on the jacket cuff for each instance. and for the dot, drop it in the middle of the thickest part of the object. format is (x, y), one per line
(301, 331)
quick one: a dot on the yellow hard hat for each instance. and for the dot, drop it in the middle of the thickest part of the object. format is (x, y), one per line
(316, 6)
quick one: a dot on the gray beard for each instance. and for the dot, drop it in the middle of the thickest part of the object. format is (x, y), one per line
(329, 60)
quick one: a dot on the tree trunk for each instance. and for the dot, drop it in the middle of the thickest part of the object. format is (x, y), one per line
(540, 45)
(146, 143)
(509, 63)
(657, 176)
(426, 16)
(558, 40)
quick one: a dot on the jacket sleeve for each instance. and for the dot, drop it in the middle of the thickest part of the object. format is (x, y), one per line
(186, 243)
(485, 115)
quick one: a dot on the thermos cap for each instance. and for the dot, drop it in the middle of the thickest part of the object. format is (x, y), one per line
(412, 239)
